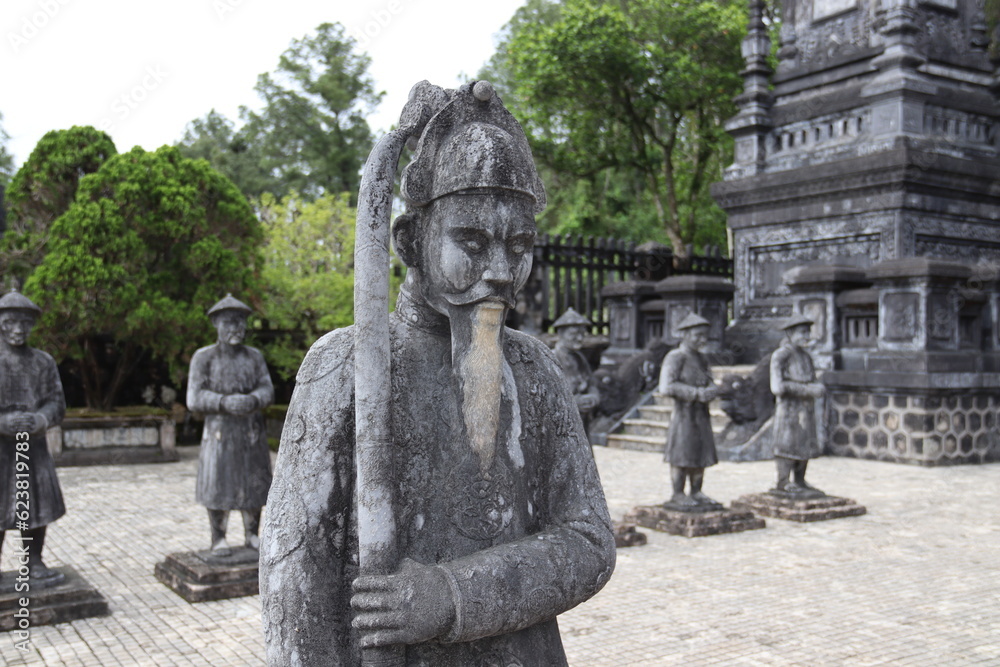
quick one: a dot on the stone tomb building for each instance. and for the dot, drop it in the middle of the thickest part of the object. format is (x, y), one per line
(876, 139)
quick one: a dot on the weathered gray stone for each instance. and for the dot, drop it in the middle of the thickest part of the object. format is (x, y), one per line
(449, 520)
(71, 599)
(694, 524)
(803, 510)
(199, 576)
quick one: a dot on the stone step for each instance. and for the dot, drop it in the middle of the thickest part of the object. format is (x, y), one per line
(661, 413)
(651, 427)
(639, 443)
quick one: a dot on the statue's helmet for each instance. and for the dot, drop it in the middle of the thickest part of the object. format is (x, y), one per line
(14, 300)
(692, 321)
(472, 143)
(797, 321)
(229, 302)
(570, 318)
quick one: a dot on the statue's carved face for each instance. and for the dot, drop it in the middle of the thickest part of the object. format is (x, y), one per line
(15, 327)
(476, 247)
(696, 337)
(572, 337)
(799, 335)
(231, 325)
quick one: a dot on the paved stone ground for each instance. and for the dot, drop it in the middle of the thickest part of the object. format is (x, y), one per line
(914, 582)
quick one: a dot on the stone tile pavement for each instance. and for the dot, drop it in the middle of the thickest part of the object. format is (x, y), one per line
(914, 582)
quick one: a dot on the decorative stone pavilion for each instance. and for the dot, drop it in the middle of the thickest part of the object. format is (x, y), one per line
(878, 141)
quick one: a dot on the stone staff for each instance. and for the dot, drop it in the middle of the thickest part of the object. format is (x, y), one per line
(378, 553)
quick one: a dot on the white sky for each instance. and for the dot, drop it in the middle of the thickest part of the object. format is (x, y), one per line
(143, 69)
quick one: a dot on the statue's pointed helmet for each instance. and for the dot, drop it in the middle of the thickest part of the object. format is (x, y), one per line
(229, 302)
(471, 143)
(14, 300)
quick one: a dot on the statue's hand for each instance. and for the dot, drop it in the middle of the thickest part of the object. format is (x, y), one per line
(18, 422)
(709, 393)
(34, 422)
(586, 402)
(239, 404)
(411, 606)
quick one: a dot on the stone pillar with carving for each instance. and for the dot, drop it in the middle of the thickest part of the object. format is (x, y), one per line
(707, 296)
(627, 333)
(928, 391)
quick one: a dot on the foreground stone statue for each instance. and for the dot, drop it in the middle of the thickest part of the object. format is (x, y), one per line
(572, 327)
(793, 382)
(31, 400)
(500, 518)
(229, 384)
(690, 448)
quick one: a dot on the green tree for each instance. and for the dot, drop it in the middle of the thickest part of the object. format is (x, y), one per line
(626, 101)
(150, 241)
(215, 138)
(43, 189)
(312, 134)
(308, 272)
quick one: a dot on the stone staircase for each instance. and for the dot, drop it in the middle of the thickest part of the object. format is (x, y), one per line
(646, 429)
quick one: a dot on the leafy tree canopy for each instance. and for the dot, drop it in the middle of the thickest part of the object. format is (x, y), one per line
(624, 105)
(43, 189)
(215, 138)
(151, 240)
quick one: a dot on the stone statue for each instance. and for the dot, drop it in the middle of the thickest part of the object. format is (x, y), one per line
(793, 382)
(572, 327)
(31, 400)
(229, 384)
(690, 442)
(500, 519)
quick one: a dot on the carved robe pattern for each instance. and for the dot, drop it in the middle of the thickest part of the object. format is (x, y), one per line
(29, 382)
(795, 435)
(520, 545)
(234, 465)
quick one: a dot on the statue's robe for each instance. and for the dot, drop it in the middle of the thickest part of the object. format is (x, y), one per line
(525, 542)
(234, 465)
(690, 440)
(29, 382)
(578, 374)
(795, 435)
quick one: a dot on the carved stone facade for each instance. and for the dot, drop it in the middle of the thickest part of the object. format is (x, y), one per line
(879, 140)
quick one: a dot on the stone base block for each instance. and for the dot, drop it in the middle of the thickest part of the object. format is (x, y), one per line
(627, 536)
(71, 600)
(198, 576)
(801, 510)
(693, 524)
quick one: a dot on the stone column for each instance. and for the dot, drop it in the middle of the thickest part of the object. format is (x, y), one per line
(625, 319)
(708, 296)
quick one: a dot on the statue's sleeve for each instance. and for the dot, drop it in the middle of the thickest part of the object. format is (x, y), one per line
(53, 405)
(263, 390)
(305, 567)
(519, 584)
(200, 398)
(781, 385)
(670, 379)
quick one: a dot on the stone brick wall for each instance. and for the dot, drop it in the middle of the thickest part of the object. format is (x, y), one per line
(939, 429)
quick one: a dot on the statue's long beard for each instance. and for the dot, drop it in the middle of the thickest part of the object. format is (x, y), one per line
(477, 360)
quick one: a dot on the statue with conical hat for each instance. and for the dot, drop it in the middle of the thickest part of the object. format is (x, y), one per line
(229, 383)
(485, 489)
(690, 448)
(572, 328)
(31, 400)
(795, 438)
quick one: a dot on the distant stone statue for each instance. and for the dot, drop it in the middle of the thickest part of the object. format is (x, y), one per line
(690, 449)
(572, 327)
(31, 400)
(229, 384)
(487, 489)
(793, 382)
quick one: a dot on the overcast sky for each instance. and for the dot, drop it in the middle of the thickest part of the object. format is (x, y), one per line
(143, 69)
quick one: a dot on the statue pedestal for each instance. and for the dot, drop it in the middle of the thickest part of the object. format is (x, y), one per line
(627, 536)
(803, 510)
(693, 524)
(198, 576)
(71, 600)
